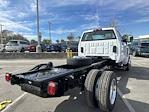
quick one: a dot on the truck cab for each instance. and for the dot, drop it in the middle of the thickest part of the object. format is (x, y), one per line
(105, 43)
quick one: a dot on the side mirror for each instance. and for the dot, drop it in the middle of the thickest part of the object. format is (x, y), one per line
(127, 38)
(131, 38)
(124, 38)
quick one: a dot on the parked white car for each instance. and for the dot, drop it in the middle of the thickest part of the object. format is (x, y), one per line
(16, 46)
(2, 47)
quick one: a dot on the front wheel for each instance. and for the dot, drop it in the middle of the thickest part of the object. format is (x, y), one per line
(106, 91)
(134, 53)
(127, 67)
(22, 50)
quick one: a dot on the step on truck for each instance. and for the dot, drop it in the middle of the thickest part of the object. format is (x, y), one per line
(99, 52)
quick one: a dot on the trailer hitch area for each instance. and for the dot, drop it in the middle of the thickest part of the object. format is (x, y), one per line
(48, 65)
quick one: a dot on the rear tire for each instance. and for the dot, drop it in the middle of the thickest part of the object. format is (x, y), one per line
(90, 82)
(106, 91)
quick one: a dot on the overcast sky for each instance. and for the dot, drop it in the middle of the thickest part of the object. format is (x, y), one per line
(74, 16)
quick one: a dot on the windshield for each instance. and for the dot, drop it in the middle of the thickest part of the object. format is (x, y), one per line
(145, 44)
(98, 35)
(12, 43)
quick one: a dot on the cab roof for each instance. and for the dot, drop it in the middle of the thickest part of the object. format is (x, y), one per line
(108, 28)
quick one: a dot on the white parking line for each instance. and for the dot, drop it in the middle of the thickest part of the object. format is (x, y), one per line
(14, 102)
(20, 69)
(19, 98)
(141, 65)
(9, 66)
(129, 106)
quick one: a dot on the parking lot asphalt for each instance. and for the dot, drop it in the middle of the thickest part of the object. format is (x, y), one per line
(132, 93)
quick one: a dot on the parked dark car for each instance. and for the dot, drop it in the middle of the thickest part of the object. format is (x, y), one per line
(139, 48)
(74, 48)
(53, 47)
(43, 47)
(63, 47)
(32, 48)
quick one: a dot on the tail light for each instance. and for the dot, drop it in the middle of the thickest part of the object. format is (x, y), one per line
(82, 50)
(52, 87)
(7, 77)
(114, 49)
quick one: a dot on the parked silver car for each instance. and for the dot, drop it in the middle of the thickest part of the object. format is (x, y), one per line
(16, 46)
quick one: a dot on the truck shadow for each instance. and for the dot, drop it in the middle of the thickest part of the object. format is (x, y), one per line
(137, 73)
(77, 102)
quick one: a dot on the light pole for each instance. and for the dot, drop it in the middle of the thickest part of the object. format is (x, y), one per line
(1, 33)
(38, 32)
(50, 31)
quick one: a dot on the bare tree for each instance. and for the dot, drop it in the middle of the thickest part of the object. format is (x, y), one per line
(10, 35)
(70, 38)
(113, 23)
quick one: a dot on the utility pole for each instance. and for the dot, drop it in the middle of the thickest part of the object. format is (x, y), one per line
(1, 40)
(38, 32)
(50, 31)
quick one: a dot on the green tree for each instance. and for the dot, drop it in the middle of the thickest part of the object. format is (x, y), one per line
(57, 41)
(33, 42)
(46, 42)
(63, 41)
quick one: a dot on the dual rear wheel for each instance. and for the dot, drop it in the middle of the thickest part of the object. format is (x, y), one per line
(101, 89)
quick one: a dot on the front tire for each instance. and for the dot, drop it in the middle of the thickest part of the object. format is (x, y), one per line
(22, 50)
(134, 53)
(106, 91)
(128, 65)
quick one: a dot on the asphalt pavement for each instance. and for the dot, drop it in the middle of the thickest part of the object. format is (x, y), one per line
(133, 89)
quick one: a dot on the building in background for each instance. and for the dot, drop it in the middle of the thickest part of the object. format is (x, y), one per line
(144, 38)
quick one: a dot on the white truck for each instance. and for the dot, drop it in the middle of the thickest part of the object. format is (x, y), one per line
(90, 71)
(106, 43)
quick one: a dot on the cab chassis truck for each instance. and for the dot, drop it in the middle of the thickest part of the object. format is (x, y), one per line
(99, 52)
